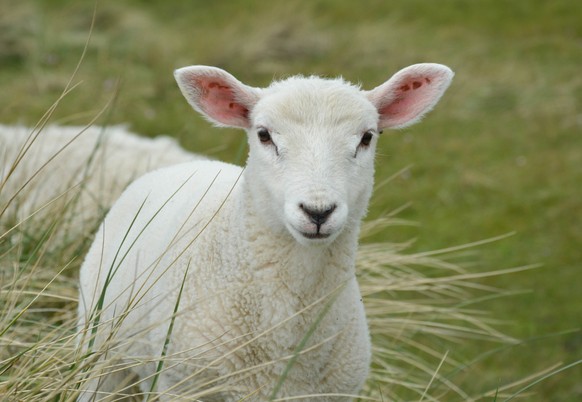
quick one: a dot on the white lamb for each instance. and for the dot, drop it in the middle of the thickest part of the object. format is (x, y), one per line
(213, 282)
(70, 175)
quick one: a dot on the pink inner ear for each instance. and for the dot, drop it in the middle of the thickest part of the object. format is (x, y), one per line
(412, 96)
(218, 100)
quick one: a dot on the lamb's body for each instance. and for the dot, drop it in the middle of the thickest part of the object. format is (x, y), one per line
(80, 170)
(262, 261)
(232, 292)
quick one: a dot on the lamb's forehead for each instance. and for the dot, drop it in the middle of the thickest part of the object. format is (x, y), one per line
(314, 100)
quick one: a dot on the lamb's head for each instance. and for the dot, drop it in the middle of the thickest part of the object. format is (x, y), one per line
(312, 140)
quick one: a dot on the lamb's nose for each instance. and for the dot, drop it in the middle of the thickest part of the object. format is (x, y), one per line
(317, 215)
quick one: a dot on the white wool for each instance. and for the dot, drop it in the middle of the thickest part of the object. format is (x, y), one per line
(69, 173)
(263, 256)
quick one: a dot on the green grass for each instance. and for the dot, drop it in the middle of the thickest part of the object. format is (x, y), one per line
(501, 153)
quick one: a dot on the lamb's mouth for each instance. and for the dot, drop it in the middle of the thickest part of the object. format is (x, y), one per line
(316, 235)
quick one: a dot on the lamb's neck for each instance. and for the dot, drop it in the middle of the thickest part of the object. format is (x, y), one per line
(317, 271)
(307, 271)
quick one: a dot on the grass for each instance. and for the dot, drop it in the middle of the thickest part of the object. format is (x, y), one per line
(500, 154)
(413, 316)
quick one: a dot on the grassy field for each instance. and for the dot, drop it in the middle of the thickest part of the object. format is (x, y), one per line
(501, 154)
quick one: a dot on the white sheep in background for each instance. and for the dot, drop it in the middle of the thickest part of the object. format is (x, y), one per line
(73, 174)
(256, 261)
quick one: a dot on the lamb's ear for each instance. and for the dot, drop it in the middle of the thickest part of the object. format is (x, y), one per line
(409, 94)
(216, 94)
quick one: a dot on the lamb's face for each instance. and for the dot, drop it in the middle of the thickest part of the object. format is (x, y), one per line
(312, 141)
(310, 166)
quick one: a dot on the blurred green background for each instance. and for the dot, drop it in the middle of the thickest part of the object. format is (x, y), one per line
(502, 152)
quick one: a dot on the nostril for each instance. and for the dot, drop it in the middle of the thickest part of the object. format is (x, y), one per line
(317, 215)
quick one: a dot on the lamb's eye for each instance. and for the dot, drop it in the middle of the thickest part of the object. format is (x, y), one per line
(264, 135)
(366, 139)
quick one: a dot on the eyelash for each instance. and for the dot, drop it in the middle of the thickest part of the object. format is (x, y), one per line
(264, 135)
(365, 141)
(266, 139)
(366, 138)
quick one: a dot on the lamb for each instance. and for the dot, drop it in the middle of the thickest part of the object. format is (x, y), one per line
(73, 171)
(214, 282)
